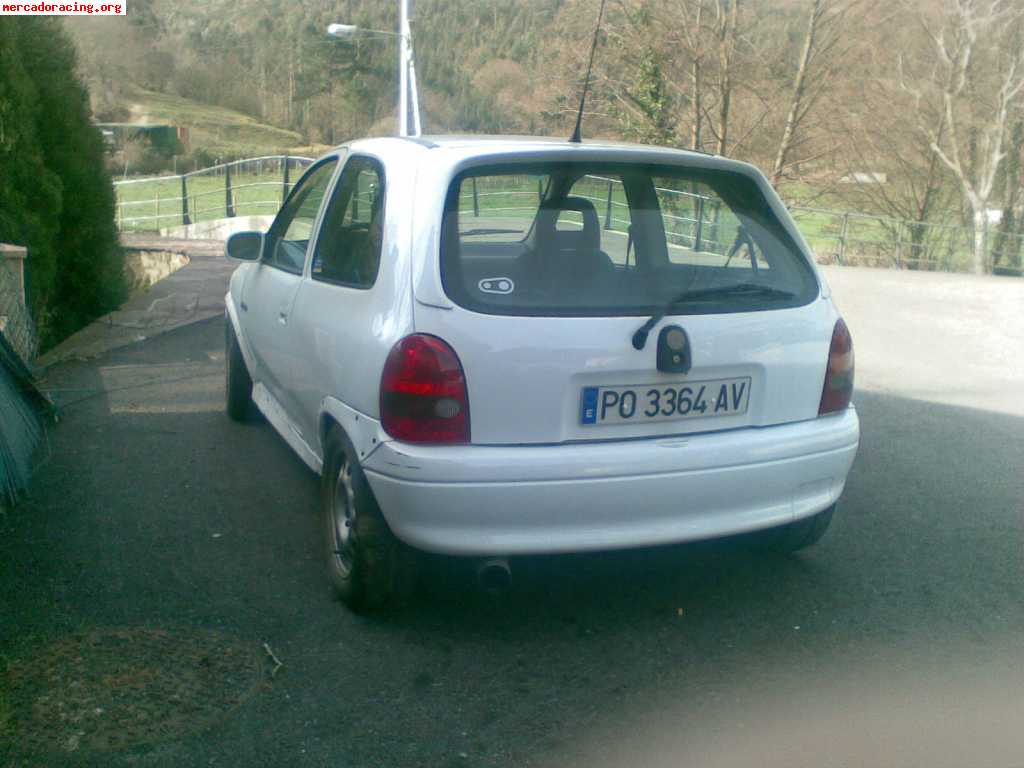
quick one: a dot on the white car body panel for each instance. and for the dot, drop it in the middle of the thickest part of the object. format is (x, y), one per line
(536, 367)
(533, 479)
(484, 500)
(280, 420)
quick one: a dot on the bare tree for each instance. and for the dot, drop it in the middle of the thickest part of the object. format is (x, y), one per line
(696, 47)
(977, 79)
(916, 184)
(700, 55)
(1007, 245)
(821, 54)
(877, 138)
(726, 31)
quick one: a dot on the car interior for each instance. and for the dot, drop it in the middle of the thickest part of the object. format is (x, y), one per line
(348, 250)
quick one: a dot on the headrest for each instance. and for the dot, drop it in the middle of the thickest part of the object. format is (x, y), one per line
(589, 238)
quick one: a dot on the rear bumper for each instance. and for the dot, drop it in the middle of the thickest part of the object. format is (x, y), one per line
(489, 500)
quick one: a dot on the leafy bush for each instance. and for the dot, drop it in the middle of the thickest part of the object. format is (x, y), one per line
(55, 193)
(140, 157)
(196, 160)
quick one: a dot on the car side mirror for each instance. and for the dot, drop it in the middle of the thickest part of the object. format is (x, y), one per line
(244, 246)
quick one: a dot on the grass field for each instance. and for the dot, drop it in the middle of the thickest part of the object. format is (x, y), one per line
(156, 203)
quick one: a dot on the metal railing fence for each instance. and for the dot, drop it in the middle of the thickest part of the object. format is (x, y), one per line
(845, 237)
(703, 223)
(691, 220)
(253, 186)
(259, 185)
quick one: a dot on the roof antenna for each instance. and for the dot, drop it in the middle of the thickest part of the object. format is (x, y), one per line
(575, 139)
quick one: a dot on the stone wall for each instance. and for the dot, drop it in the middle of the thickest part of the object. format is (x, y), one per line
(144, 267)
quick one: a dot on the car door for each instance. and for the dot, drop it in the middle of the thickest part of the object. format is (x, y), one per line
(270, 289)
(341, 305)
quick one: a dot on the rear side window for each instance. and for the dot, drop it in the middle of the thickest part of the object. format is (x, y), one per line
(578, 239)
(349, 246)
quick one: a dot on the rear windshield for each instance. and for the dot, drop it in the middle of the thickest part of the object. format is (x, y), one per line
(578, 239)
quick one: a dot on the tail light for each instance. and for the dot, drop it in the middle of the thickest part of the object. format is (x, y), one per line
(423, 392)
(835, 395)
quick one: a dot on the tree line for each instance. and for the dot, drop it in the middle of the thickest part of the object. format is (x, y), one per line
(925, 93)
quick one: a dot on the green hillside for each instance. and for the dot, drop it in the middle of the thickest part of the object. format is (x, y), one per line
(217, 130)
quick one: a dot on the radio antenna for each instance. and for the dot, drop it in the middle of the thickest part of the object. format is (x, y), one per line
(576, 138)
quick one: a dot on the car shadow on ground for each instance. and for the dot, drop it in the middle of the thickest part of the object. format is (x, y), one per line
(156, 511)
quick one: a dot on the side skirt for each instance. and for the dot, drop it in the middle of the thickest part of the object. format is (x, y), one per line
(279, 420)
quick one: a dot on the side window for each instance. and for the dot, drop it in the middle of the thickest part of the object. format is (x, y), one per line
(293, 228)
(349, 247)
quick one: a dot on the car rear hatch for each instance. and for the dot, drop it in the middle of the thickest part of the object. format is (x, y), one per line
(551, 269)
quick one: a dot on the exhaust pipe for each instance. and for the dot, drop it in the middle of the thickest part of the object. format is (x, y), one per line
(494, 575)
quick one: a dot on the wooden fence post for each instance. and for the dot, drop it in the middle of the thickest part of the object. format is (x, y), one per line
(185, 218)
(229, 206)
(841, 256)
(608, 208)
(699, 227)
(476, 200)
(715, 222)
(284, 183)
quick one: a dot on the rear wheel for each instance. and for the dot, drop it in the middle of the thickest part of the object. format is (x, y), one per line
(798, 535)
(368, 566)
(237, 382)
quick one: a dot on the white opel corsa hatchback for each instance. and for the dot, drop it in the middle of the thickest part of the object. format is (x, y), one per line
(496, 347)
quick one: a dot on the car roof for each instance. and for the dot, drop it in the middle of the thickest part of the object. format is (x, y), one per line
(487, 142)
(452, 150)
(470, 145)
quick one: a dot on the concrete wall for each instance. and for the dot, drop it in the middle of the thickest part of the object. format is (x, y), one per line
(219, 229)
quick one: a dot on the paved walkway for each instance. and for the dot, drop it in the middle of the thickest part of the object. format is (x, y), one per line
(195, 292)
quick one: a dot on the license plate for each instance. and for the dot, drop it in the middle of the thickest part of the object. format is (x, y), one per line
(664, 402)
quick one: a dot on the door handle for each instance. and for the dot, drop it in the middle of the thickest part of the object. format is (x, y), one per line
(245, 307)
(282, 318)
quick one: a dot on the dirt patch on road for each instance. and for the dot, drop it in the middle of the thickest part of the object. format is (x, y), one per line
(108, 689)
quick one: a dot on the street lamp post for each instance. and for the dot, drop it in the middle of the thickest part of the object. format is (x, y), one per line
(408, 93)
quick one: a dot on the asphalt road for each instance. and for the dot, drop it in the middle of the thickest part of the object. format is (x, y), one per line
(899, 640)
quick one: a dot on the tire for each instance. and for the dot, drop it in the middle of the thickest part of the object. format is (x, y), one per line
(797, 535)
(368, 566)
(237, 382)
